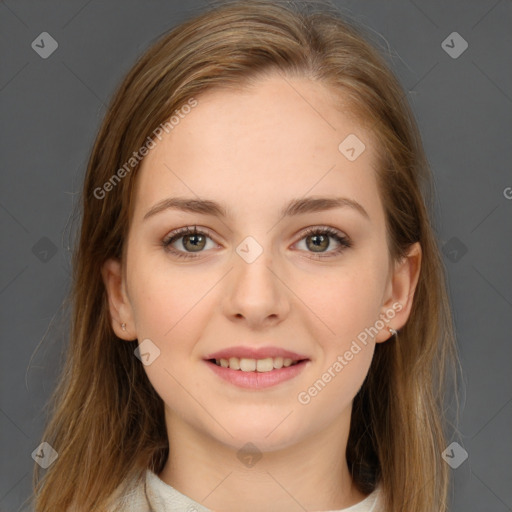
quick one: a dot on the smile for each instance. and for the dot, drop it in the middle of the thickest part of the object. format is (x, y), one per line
(257, 374)
(255, 365)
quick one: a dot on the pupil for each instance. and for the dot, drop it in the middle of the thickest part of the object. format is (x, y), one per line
(196, 243)
(316, 237)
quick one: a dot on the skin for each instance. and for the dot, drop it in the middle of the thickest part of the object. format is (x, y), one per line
(254, 150)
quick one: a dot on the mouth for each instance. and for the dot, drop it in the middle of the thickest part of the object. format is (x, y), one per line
(256, 367)
(257, 374)
(267, 364)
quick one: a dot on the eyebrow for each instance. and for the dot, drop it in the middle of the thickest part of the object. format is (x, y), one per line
(293, 208)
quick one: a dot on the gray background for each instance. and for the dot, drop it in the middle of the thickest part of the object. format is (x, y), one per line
(51, 109)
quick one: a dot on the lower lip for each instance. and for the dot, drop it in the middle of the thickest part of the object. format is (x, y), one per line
(258, 380)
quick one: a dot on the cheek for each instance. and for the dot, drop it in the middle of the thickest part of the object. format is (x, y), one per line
(344, 301)
(166, 298)
(172, 305)
(358, 302)
(349, 304)
(171, 309)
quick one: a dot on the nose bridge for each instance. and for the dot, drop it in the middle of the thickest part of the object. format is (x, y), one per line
(256, 292)
(253, 261)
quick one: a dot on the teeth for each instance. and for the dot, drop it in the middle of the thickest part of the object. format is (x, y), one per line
(247, 365)
(265, 365)
(234, 363)
(250, 365)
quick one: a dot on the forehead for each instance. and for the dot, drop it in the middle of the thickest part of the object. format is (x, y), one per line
(280, 138)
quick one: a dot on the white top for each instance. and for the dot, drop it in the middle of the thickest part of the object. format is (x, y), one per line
(154, 495)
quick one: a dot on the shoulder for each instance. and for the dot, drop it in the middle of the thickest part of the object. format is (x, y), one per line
(162, 496)
(130, 497)
(375, 501)
(372, 503)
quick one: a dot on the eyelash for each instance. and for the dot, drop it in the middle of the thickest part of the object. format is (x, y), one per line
(344, 242)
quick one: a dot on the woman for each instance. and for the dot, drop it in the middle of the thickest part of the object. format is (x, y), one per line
(260, 316)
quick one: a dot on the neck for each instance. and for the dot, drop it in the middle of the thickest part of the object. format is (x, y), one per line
(309, 475)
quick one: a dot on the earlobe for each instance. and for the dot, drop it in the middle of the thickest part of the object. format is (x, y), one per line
(397, 307)
(119, 305)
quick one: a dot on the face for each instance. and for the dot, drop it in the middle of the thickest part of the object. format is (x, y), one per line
(316, 285)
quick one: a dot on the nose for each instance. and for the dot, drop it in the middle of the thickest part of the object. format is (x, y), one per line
(256, 293)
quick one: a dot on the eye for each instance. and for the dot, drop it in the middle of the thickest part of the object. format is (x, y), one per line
(194, 240)
(318, 238)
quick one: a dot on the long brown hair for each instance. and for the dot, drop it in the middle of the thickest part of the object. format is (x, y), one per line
(107, 422)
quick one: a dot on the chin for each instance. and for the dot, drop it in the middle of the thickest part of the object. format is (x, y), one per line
(268, 432)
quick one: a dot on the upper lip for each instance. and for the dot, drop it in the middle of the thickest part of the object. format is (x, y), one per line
(255, 353)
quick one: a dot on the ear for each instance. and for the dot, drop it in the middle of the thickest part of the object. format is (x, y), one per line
(400, 292)
(118, 301)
